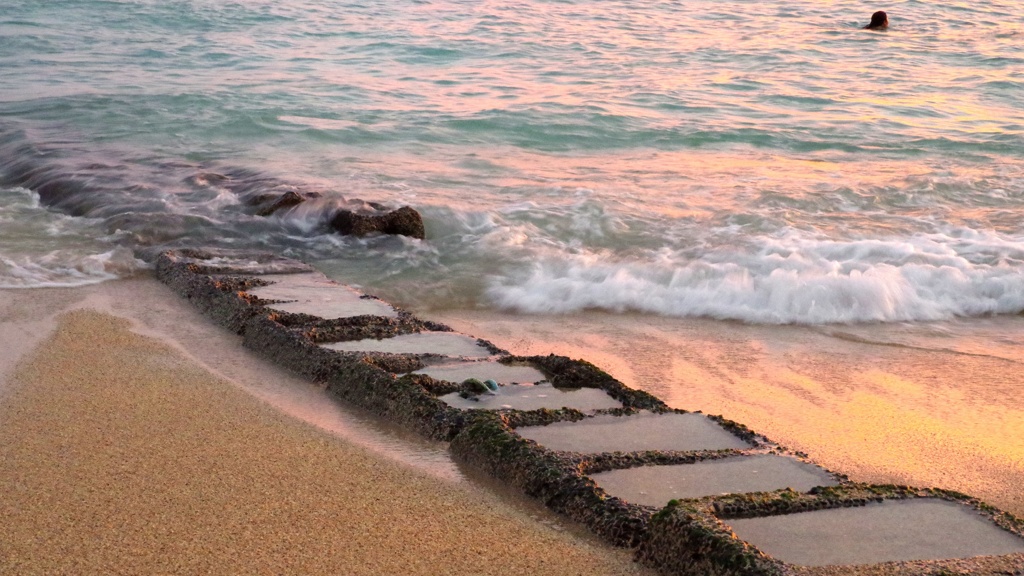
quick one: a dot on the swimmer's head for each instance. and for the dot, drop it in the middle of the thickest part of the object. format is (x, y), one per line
(879, 20)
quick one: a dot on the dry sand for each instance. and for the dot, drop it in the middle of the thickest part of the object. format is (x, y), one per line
(123, 455)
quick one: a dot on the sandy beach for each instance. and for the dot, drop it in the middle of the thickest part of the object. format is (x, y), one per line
(128, 453)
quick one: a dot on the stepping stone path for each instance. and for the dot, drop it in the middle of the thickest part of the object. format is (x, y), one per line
(695, 494)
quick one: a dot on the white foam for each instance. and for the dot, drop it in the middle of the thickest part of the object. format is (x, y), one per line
(794, 278)
(45, 249)
(65, 268)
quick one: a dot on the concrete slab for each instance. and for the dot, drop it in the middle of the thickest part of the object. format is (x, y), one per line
(318, 295)
(656, 485)
(607, 433)
(500, 373)
(443, 343)
(916, 529)
(534, 397)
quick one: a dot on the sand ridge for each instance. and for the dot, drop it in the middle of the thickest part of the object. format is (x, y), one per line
(122, 456)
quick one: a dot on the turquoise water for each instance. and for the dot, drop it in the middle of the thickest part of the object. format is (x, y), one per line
(768, 162)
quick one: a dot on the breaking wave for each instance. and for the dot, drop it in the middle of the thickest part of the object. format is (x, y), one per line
(792, 279)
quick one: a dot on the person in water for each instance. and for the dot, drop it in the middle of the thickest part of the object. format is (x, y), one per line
(879, 21)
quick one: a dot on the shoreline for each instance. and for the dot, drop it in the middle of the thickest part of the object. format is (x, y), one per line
(125, 455)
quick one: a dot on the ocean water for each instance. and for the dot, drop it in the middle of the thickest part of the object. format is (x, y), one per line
(618, 177)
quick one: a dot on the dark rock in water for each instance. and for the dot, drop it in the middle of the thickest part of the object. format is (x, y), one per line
(268, 204)
(206, 179)
(56, 187)
(404, 221)
(266, 196)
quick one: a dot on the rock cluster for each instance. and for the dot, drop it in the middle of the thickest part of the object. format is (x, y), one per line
(404, 221)
(268, 196)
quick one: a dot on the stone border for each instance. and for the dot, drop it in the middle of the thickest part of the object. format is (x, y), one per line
(685, 537)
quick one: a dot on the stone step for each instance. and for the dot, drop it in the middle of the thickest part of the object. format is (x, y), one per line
(656, 485)
(501, 373)
(893, 530)
(440, 343)
(534, 397)
(317, 295)
(634, 433)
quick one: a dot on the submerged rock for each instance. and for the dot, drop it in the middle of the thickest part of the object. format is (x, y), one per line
(268, 204)
(404, 221)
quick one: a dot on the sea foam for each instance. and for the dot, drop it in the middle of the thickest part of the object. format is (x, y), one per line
(792, 279)
(66, 268)
(42, 248)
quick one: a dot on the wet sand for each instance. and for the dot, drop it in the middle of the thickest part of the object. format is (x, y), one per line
(881, 403)
(124, 454)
